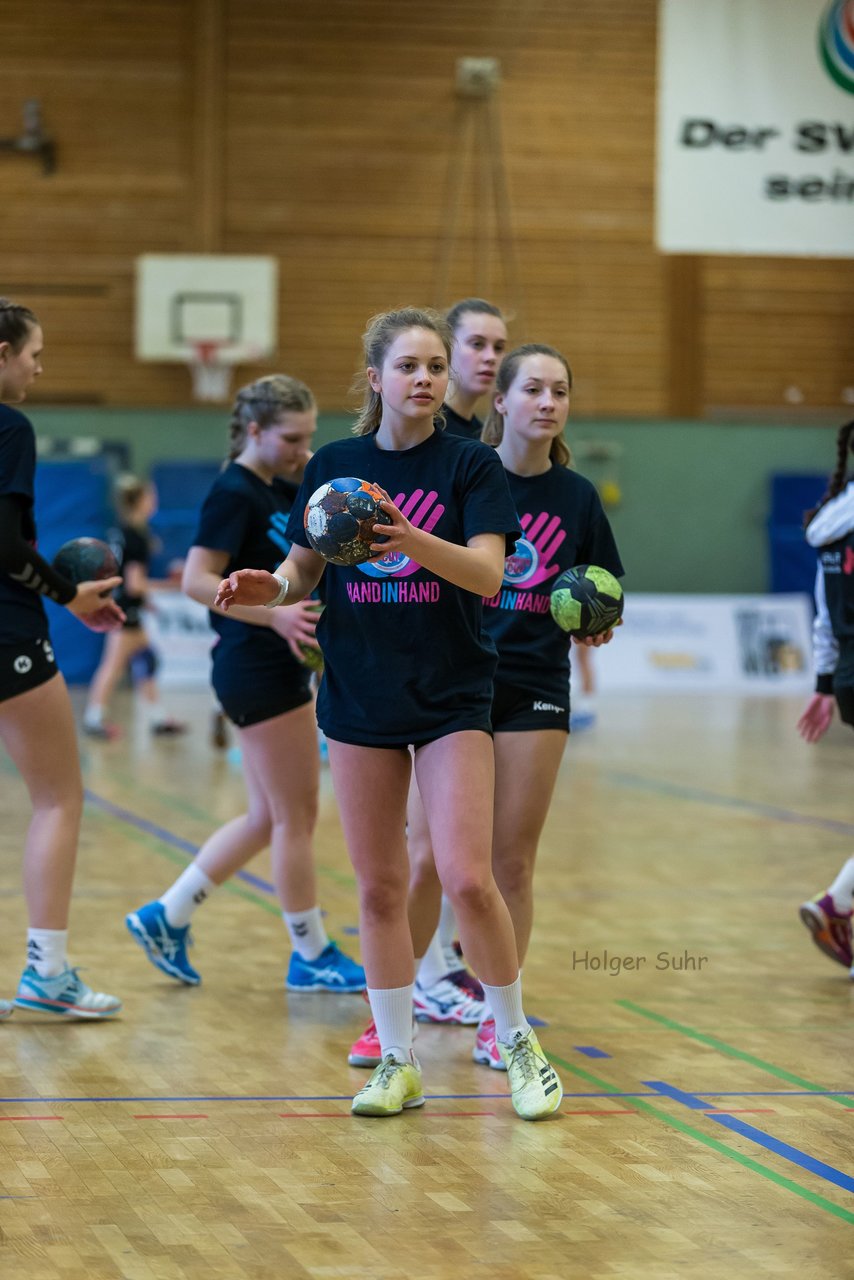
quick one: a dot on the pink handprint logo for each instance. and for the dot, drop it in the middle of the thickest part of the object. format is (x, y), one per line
(529, 564)
(424, 511)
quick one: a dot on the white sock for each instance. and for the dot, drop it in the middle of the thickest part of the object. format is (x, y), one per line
(46, 951)
(93, 716)
(433, 967)
(391, 1008)
(188, 892)
(308, 932)
(447, 924)
(842, 889)
(506, 1006)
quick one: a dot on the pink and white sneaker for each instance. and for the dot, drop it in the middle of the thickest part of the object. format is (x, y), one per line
(830, 929)
(366, 1052)
(485, 1049)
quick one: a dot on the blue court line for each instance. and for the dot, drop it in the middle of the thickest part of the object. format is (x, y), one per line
(332, 1097)
(590, 1051)
(786, 1152)
(168, 837)
(682, 792)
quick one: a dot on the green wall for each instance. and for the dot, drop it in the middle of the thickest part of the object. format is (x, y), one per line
(695, 495)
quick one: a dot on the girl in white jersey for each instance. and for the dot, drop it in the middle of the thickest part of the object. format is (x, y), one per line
(830, 530)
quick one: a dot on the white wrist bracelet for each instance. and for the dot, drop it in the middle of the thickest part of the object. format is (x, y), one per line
(282, 592)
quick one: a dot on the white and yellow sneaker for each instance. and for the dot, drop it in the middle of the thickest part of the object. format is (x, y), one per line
(393, 1085)
(535, 1088)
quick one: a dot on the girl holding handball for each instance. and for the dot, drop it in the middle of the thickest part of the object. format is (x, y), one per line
(831, 531)
(407, 664)
(262, 682)
(36, 720)
(563, 525)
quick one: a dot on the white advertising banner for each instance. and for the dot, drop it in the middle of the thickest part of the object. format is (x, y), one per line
(756, 127)
(688, 643)
(182, 635)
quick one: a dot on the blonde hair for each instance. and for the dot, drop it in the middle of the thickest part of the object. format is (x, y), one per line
(380, 334)
(128, 490)
(493, 427)
(264, 401)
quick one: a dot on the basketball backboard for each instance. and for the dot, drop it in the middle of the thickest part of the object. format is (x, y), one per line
(188, 301)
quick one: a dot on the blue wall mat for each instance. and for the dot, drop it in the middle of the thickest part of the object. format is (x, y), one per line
(72, 501)
(181, 488)
(791, 560)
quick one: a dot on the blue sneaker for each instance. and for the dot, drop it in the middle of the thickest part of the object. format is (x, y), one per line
(331, 971)
(165, 944)
(66, 994)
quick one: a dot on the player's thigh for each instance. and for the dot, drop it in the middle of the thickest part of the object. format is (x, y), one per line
(371, 788)
(456, 779)
(37, 730)
(281, 756)
(526, 769)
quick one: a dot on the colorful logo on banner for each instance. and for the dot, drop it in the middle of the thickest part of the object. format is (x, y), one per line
(836, 42)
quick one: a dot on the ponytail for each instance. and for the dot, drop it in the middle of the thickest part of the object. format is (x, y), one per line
(839, 476)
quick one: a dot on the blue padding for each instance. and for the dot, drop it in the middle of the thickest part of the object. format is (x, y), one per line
(791, 560)
(181, 489)
(72, 501)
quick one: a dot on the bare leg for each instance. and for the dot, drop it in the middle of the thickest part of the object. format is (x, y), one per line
(371, 785)
(526, 769)
(37, 729)
(119, 648)
(425, 891)
(281, 756)
(456, 781)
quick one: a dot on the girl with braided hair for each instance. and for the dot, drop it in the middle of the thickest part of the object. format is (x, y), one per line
(830, 529)
(262, 682)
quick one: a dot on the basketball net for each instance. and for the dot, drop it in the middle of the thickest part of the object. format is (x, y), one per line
(211, 376)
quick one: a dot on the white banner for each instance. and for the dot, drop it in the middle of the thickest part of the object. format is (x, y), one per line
(181, 633)
(756, 127)
(758, 644)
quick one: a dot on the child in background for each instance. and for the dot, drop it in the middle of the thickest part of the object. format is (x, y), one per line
(130, 646)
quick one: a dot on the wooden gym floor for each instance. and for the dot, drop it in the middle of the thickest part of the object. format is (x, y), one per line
(207, 1133)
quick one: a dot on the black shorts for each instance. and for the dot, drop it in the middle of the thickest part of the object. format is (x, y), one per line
(25, 666)
(516, 710)
(253, 688)
(844, 695)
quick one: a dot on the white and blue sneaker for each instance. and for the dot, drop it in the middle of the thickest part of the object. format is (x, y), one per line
(331, 971)
(66, 994)
(165, 944)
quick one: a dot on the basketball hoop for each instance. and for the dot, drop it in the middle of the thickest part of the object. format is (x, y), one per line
(211, 376)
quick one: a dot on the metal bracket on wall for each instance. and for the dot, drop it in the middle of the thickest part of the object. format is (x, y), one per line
(32, 140)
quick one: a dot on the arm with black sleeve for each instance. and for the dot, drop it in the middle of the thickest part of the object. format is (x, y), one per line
(20, 560)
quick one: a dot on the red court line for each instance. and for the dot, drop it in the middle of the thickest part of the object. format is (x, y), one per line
(32, 1117)
(739, 1111)
(170, 1117)
(342, 1115)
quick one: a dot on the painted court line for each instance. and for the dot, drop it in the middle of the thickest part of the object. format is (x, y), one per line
(783, 1149)
(746, 1162)
(732, 1052)
(697, 794)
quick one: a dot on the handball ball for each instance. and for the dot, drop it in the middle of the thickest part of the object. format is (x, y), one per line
(339, 520)
(586, 600)
(85, 560)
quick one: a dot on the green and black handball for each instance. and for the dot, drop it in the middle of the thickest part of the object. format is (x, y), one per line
(586, 600)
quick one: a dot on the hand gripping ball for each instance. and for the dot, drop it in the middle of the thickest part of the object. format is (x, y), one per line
(339, 520)
(85, 560)
(586, 600)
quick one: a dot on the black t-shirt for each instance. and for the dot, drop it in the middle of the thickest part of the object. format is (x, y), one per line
(837, 562)
(406, 656)
(22, 614)
(455, 425)
(563, 525)
(247, 518)
(130, 545)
